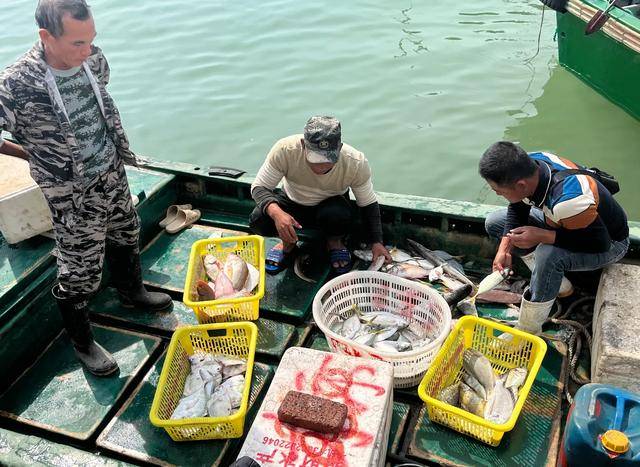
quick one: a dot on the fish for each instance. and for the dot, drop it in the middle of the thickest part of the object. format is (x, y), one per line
(351, 327)
(212, 267)
(337, 326)
(397, 255)
(392, 346)
(449, 270)
(365, 338)
(297, 267)
(500, 405)
(475, 385)
(236, 270)
(377, 264)
(450, 395)
(470, 401)
(499, 296)
(385, 319)
(224, 287)
(204, 291)
(478, 366)
(234, 387)
(457, 295)
(436, 274)
(492, 280)
(406, 271)
(191, 406)
(232, 366)
(219, 405)
(386, 334)
(468, 307)
(514, 380)
(253, 278)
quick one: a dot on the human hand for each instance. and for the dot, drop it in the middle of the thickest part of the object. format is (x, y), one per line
(286, 225)
(529, 237)
(378, 249)
(503, 258)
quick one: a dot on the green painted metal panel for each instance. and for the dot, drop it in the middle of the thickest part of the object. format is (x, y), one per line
(605, 64)
(166, 258)
(319, 342)
(18, 449)
(144, 183)
(57, 394)
(25, 336)
(273, 337)
(533, 441)
(20, 264)
(398, 423)
(286, 294)
(131, 434)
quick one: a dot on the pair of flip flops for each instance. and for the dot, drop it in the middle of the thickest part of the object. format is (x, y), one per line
(179, 217)
(278, 260)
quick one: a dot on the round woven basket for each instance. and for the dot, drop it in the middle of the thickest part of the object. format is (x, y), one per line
(422, 306)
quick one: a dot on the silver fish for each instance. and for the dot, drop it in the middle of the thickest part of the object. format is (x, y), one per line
(385, 319)
(475, 385)
(468, 307)
(377, 264)
(470, 401)
(336, 326)
(386, 334)
(515, 379)
(219, 405)
(450, 395)
(253, 278)
(351, 327)
(406, 271)
(500, 405)
(397, 255)
(191, 406)
(232, 366)
(385, 346)
(478, 366)
(366, 337)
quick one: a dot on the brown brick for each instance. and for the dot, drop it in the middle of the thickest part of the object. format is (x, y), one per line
(312, 412)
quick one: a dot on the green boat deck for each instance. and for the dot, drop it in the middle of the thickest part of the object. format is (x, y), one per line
(52, 412)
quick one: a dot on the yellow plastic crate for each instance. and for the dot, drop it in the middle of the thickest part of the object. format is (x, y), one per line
(230, 339)
(251, 249)
(526, 350)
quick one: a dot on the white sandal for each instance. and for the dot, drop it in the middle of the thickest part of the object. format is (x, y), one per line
(172, 213)
(183, 220)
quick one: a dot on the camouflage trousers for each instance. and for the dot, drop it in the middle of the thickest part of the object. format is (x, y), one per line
(106, 216)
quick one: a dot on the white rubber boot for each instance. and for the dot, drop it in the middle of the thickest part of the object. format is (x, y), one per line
(533, 314)
(566, 288)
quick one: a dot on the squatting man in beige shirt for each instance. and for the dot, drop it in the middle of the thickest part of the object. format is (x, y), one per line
(317, 170)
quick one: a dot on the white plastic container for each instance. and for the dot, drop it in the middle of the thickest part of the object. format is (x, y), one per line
(24, 213)
(364, 386)
(422, 306)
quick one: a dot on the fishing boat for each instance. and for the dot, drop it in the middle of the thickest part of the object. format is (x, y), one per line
(52, 412)
(608, 59)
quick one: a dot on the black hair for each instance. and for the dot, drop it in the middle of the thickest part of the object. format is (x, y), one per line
(504, 163)
(49, 14)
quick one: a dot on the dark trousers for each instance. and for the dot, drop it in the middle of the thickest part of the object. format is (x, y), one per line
(333, 217)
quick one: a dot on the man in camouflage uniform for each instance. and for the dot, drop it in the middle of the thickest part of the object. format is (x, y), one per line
(54, 102)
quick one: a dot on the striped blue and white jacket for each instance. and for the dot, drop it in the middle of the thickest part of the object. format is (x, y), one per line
(584, 214)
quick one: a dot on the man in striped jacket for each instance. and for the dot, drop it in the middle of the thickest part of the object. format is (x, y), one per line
(556, 221)
(54, 102)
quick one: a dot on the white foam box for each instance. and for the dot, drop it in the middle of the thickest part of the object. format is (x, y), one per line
(364, 386)
(24, 213)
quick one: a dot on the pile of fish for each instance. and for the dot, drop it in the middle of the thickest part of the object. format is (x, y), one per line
(381, 330)
(213, 387)
(434, 266)
(482, 392)
(233, 279)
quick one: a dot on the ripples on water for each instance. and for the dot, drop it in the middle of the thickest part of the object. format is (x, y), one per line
(422, 88)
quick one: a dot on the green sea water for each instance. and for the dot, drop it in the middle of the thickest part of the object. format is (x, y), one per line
(422, 88)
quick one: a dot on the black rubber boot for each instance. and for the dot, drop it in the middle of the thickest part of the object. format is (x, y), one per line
(75, 316)
(126, 275)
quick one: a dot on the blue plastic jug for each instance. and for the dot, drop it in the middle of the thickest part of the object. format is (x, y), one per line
(603, 428)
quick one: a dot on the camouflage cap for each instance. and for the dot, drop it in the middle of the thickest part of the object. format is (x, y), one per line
(322, 139)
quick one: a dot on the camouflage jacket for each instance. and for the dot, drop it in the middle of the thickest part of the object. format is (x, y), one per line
(31, 109)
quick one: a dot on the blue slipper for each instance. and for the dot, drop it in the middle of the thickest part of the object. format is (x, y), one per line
(340, 255)
(277, 260)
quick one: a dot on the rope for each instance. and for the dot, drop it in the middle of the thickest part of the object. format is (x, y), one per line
(574, 343)
(539, 35)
